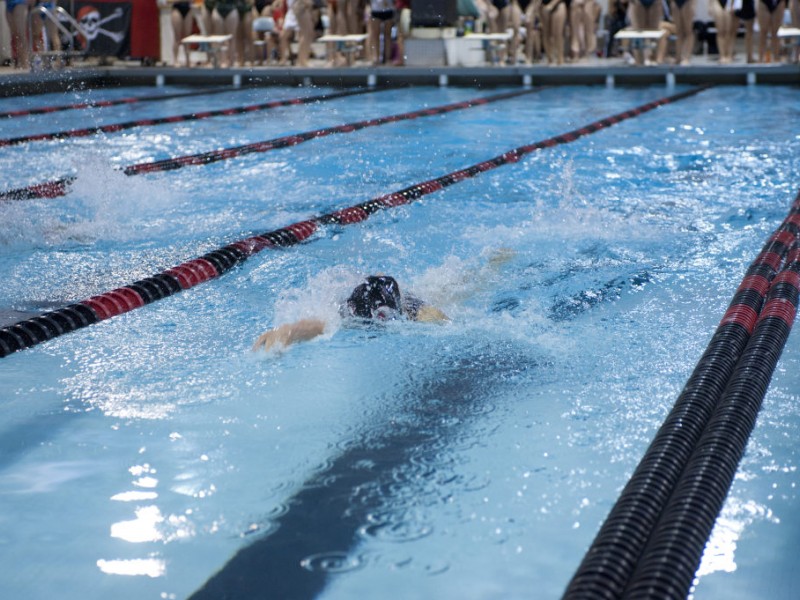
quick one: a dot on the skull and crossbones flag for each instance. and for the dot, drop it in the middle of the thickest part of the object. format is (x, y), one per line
(104, 26)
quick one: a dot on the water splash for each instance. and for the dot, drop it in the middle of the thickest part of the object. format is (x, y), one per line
(104, 204)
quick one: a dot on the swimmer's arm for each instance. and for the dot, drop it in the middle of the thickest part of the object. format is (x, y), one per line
(285, 335)
(430, 314)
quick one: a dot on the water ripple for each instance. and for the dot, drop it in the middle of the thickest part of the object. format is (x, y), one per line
(332, 562)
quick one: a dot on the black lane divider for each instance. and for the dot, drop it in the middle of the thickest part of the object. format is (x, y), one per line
(335, 509)
(52, 324)
(670, 560)
(105, 103)
(197, 116)
(611, 560)
(59, 187)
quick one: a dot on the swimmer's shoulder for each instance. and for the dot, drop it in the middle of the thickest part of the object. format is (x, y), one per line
(419, 310)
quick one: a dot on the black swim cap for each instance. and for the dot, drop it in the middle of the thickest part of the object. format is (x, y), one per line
(375, 292)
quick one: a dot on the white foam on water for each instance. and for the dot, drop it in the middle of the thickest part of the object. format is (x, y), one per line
(102, 204)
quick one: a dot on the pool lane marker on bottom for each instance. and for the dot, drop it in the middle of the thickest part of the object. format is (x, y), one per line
(60, 187)
(52, 324)
(630, 535)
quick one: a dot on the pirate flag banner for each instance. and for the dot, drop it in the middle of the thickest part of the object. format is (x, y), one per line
(104, 26)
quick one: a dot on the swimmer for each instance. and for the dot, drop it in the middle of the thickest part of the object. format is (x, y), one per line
(377, 298)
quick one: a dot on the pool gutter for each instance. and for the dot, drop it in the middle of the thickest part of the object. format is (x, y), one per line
(15, 84)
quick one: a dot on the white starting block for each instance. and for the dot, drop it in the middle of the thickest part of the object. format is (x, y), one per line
(648, 37)
(210, 44)
(492, 43)
(348, 45)
(789, 32)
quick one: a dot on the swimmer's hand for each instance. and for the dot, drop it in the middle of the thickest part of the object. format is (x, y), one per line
(430, 314)
(283, 336)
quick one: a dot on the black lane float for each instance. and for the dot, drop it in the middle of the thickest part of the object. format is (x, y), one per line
(52, 324)
(667, 567)
(60, 187)
(651, 543)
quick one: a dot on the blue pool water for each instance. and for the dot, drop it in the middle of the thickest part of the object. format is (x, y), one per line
(475, 459)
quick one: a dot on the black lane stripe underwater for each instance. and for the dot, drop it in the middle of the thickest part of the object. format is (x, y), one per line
(49, 325)
(336, 508)
(60, 187)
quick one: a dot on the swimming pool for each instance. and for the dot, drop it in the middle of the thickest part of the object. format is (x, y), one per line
(150, 453)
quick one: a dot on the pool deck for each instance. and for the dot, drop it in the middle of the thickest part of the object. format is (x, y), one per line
(609, 72)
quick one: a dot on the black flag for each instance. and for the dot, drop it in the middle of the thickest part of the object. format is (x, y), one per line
(104, 27)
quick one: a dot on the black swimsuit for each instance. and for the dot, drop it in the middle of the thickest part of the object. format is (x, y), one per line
(225, 8)
(382, 15)
(546, 2)
(748, 10)
(772, 4)
(182, 7)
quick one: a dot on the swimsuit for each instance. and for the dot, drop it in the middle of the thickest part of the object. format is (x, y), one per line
(11, 4)
(382, 10)
(224, 8)
(290, 21)
(772, 4)
(748, 10)
(182, 7)
(262, 4)
(244, 7)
